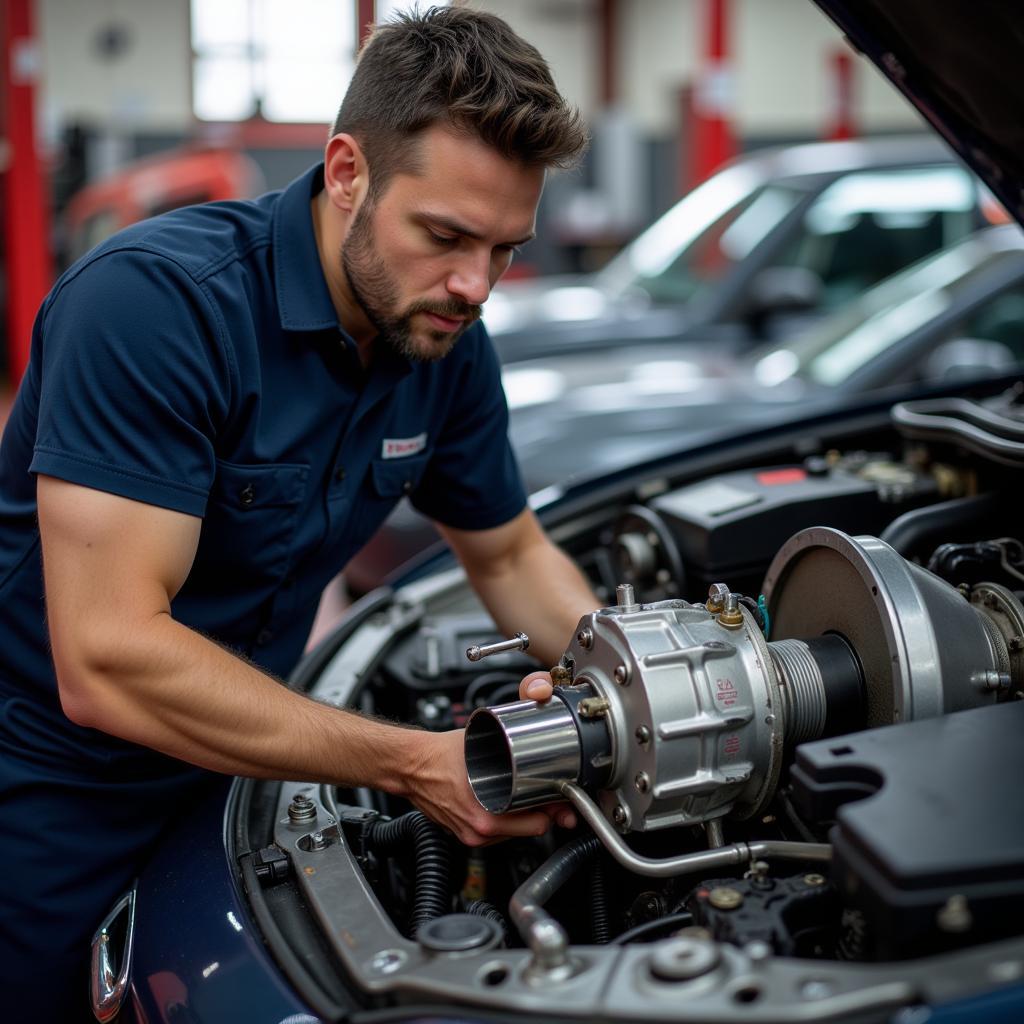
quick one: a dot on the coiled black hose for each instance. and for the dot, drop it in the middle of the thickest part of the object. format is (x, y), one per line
(481, 908)
(432, 898)
(599, 923)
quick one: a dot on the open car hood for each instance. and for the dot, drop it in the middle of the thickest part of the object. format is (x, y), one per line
(958, 64)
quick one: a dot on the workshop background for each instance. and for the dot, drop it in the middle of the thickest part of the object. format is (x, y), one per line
(112, 110)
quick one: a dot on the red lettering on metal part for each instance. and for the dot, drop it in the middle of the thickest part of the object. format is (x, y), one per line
(732, 746)
(726, 693)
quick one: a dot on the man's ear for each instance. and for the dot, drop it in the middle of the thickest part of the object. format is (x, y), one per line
(345, 172)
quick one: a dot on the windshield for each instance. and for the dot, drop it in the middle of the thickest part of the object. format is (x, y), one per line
(833, 350)
(695, 243)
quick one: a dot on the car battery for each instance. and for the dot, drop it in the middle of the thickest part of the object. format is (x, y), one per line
(728, 528)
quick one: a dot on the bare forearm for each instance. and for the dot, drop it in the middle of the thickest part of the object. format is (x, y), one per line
(166, 687)
(540, 592)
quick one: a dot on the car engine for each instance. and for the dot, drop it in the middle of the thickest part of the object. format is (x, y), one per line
(791, 737)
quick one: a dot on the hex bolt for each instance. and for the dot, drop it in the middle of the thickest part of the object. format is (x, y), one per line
(722, 897)
(317, 841)
(730, 616)
(758, 871)
(621, 674)
(814, 879)
(643, 735)
(560, 675)
(585, 638)
(520, 642)
(301, 810)
(593, 707)
(619, 815)
(642, 782)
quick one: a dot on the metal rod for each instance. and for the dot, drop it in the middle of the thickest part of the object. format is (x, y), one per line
(519, 642)
(709, 860)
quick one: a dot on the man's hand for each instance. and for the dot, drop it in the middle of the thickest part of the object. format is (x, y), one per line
(440, 789)
(536, 686)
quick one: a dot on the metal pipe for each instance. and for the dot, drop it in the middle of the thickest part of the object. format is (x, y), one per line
(545, 937)
(518, 754)
(704, 860)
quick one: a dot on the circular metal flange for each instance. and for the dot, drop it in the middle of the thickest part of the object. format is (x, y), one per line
(1001, 607)
(890, 611)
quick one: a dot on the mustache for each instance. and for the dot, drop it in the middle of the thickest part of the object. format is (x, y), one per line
(453, 310)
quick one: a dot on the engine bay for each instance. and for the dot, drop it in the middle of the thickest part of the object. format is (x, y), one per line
(791, 736)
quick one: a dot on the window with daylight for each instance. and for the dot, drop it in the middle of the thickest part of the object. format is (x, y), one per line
(287, 60)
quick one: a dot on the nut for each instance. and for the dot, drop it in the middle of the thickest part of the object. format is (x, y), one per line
(724, 898)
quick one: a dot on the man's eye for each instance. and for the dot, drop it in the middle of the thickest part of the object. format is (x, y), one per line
(441, 239)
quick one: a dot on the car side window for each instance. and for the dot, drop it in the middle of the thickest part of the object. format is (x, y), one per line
(868, 225)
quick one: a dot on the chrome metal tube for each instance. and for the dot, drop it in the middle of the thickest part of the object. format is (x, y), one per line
(518, 754)
(704, 860)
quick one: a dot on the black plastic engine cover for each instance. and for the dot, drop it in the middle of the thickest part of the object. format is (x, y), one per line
(929, 834)
(734, 523)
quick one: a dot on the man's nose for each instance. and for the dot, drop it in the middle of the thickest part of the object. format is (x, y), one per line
(471, 282)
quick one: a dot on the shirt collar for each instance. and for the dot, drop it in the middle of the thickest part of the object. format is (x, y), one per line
(303, 301)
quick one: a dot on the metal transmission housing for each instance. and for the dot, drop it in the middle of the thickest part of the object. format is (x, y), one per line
(680, 713)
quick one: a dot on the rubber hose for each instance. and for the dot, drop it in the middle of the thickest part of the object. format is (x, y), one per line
(481, 908)
(430, 850)
(599, 924)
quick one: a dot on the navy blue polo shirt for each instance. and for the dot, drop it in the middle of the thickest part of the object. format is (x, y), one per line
(195, 362)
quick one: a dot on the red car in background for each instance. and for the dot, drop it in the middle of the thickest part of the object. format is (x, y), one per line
(154, 185)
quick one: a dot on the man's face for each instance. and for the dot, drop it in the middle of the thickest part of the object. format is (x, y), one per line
(422, 258)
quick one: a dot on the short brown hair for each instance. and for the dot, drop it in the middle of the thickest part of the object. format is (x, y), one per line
(463, 68)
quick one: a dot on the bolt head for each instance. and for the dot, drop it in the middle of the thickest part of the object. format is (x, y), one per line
(585, 638)
(814, 879)
(642, 782)
(621, 675)
(643, 735)
(619, 815)
(723, 897)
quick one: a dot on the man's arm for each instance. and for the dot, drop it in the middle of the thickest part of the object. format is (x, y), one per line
(526, 582)
(124, 666)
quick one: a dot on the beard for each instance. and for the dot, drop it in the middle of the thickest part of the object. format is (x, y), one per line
(375, 288)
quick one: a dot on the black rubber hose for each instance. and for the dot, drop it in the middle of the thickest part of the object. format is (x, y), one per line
(599, 924)
(920, 529)
(481, 908)
(430, 849)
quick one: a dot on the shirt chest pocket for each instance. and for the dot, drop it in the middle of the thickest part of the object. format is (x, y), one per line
(251, 521)
(387, 480)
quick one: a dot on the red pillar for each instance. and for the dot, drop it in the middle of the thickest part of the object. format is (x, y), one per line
(366, 13)
(28, 260)
(609, 70)
(842, 121)
(712, 141)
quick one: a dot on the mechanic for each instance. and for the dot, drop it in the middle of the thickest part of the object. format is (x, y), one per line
(222, 404)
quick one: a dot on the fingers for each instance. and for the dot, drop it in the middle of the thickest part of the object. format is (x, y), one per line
(536, 686)
(561, 814)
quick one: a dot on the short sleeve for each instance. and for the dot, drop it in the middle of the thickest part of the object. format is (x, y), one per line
(135, 381)
(472, 481)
